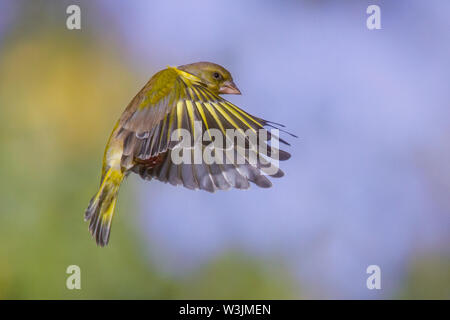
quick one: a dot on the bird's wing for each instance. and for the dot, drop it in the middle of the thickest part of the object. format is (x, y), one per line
(182, 103)
(149, 113)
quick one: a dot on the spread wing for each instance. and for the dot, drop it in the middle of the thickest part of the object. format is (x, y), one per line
(178, 100)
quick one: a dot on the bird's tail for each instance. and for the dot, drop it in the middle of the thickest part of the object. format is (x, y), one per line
(101, 208)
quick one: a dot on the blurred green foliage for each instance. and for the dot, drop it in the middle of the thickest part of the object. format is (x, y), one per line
(428, 278)
(60, 94)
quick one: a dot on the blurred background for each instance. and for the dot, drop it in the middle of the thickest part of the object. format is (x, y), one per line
(368, 182)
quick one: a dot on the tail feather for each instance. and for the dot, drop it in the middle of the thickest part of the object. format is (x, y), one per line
(101, 207)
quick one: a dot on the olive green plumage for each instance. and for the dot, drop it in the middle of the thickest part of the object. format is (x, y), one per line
(176, 98)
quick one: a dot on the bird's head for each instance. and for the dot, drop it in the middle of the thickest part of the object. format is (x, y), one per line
(215, 77)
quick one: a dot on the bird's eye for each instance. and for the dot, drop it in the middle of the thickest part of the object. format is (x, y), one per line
(216, 75)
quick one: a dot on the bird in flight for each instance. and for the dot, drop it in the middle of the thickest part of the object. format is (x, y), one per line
(142, 140)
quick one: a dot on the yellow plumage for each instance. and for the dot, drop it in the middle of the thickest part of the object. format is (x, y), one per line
(175, 98)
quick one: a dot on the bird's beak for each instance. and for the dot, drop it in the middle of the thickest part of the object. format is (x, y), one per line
(228, 87)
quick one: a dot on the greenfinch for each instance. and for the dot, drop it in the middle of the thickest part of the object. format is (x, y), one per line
(177, 98)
